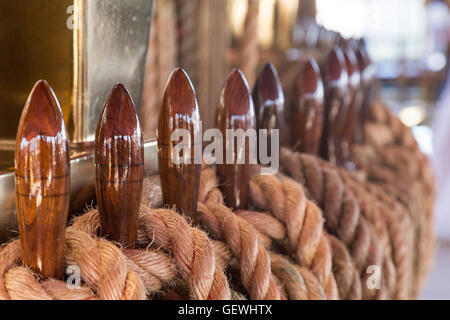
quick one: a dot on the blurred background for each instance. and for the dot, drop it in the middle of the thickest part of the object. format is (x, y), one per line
(408, 40)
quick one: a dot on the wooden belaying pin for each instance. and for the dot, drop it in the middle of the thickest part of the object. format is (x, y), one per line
(367, 79)
(269, 100)
(235, 112)
(355, 101)
(336, 106)
(119, 162)
(42, 172)
(179, 147)
(306, 109)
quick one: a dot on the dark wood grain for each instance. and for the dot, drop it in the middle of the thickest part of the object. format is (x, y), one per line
(235, 110)
(306, 110)
(42, 172)
(336, 106)
(119, 162)
(268, 98)
(179, 110)
(352, 126)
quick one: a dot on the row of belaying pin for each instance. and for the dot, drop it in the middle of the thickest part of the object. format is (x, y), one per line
(321, 118)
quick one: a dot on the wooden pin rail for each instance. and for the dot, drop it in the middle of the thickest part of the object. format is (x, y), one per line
(119, 152)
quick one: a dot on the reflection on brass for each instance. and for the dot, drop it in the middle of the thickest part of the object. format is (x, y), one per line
(110, 46)
(81, 47)
(36, 44)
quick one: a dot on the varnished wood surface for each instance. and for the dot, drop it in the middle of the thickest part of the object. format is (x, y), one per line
(336, 106)
(268, 98)
(355, 91)
(179, 110)
(306, 110)
(42, 174)
(235, 110)
(119, 162)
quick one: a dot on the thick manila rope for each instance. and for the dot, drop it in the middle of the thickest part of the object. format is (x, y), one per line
(109, 272)
(343, 218)
(190, 248)
(297, 282)
(393, 161)
(308, 242)
(105, 273)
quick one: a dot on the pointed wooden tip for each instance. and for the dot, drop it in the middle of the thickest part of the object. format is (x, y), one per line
(42, 172)
(336, 65)
(235, 111)
(119, 158)
(180, 171)
(42, 113)
(268, 98)
(362, 45)
(119, 113)
(235, 96)
(268, 87)
(362, 57)
(308, 80)
(179, 96)
(351, 62)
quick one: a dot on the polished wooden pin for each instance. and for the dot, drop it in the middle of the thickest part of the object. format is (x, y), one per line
(268, 98)
(352, 126)
(366, 83)
(42, 172)
(179, 156)
(306, 110)
(119, 162)
(336, 106)
(235, 111)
